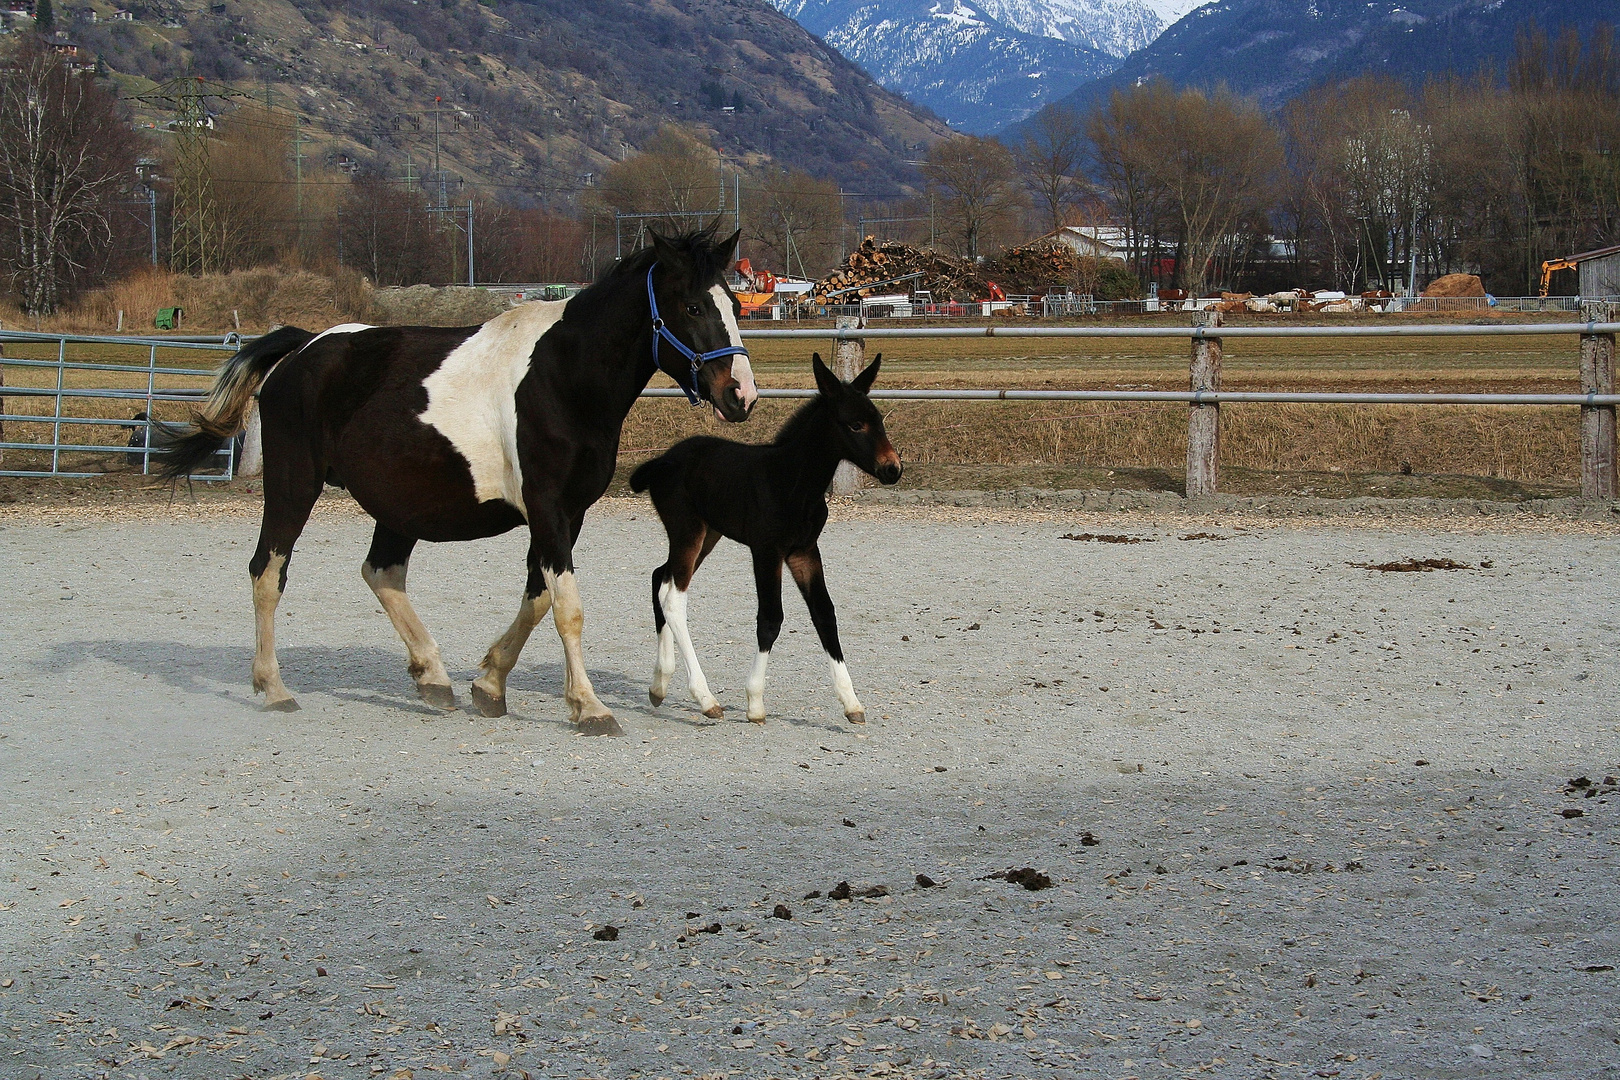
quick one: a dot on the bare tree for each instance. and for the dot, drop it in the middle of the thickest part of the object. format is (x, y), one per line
(677, 174)
(1050, 158)
(976, 182)
(1121, 134)
(64, 157)
(796, 219)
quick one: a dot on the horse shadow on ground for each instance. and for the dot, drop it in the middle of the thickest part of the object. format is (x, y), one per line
(365, 674)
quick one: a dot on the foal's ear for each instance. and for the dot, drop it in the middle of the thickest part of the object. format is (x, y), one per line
(727, 248)
(863, 382)
(826, 381)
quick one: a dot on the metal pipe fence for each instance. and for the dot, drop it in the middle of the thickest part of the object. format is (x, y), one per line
(1597, 401)
(60, 394)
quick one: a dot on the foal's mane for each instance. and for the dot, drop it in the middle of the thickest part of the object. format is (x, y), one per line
(699, 247)
(802, 424)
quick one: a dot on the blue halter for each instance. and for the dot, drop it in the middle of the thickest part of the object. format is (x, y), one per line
(697, 359)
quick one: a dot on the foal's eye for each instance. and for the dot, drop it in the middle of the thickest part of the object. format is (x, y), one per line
(693, 310)
(855, 425)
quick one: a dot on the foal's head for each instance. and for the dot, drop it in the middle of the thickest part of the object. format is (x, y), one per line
(857, 424)
(699, 308)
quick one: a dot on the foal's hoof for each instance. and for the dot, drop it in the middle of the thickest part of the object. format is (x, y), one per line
(760, 719)
(856, 717)
(488, 704)
(599, 725)
(286, 704)
(437, 695)
(655, 697)
(714, 712)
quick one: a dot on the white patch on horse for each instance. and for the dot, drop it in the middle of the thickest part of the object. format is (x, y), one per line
(741, 370)
(846, 693)
(340, 328)
(472, 397)
(756, 688)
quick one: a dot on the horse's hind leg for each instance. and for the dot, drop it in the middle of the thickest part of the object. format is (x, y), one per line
(768, 624)
(489, 689)
(286, 510)
(806, 568)
(384, 570)
(689, 544)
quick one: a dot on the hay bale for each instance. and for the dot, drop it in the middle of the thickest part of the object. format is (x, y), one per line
(1455, 285)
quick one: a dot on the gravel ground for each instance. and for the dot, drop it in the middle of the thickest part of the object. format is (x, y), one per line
(1300, 817)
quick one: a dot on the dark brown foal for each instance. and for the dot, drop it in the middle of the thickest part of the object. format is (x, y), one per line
(772, 498)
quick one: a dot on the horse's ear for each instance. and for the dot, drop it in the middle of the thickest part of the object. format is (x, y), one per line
(863, 382)
(727, 248)
(666, 252)
(826, 381)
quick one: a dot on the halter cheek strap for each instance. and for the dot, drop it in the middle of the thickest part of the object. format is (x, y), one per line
(696, 359)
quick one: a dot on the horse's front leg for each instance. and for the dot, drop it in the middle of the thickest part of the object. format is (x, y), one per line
(585, 708)
(806, 568)
(767, 625)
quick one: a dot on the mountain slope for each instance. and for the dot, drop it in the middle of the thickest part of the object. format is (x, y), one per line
(1274, 49)
(532, 95)
(951, 56)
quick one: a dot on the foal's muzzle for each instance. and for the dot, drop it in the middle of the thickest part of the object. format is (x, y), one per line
(888, 466)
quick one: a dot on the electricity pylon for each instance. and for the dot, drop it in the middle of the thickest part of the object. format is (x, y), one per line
(195, 237)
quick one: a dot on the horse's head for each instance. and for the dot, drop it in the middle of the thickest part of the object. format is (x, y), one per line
(857, 422)
(699, 310)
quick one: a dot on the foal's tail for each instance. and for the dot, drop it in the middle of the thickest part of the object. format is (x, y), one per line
(224, 413)
(651, 472)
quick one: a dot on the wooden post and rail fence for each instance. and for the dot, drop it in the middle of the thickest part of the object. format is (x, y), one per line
(1204, 397)
(1599, 478)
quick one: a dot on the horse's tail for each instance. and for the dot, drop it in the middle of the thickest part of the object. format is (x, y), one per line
(651, 472)
(224, 413)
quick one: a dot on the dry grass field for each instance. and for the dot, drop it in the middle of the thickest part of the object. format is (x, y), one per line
(1505, 452)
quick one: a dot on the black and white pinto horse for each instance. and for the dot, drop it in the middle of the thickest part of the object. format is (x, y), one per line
(467, 432)
(772, 498)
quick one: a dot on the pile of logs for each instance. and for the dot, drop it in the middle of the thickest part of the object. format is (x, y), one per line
(945, 276)
(1035, 269)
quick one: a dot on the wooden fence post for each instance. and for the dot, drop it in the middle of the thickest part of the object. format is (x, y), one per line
(1598, 474)
(849, 357)
(1204, 421)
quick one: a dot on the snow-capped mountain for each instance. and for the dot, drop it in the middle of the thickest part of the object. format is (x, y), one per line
(1116, 27)
(953, 56)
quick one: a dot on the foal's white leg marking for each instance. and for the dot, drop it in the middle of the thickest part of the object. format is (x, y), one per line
(569, 616)
(756, 688)
(673, 601)
(664, 666)
(427, 667)
(472, 397)
(741, 370)
(503, 655)
(266, 671)
(846, 693)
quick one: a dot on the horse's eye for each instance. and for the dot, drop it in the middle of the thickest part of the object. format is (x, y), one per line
(693, 310)
(856, 425)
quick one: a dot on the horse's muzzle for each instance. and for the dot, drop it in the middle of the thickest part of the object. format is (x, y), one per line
(888, 468)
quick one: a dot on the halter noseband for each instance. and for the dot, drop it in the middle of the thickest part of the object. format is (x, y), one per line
(697, 359)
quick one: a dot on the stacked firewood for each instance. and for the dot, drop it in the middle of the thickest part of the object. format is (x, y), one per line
(945, 276)
(1036, 268)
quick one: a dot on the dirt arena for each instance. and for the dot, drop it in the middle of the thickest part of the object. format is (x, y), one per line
(1300, 816)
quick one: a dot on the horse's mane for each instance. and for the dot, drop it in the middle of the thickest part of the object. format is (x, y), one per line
(698, 246)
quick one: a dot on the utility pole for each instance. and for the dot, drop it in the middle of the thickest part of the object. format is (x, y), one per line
(298, 172)
(470, 278)
(194, 244)
(151, 206)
